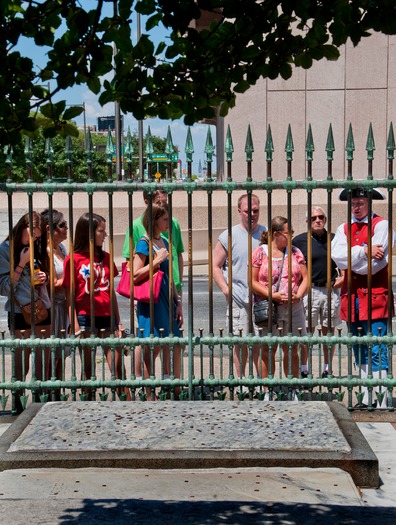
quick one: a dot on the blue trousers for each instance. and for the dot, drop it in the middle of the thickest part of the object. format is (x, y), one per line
(379, 353)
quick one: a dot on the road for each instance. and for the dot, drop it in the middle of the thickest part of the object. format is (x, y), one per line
(200, 311)
(200, 307)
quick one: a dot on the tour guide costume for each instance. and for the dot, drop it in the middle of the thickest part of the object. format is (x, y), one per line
(359, 287)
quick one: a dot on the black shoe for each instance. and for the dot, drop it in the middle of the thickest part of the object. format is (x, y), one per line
(304, 375)
(363, 406)
(325, 374)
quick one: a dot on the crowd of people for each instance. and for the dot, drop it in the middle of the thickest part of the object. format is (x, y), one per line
(35, 265)
(258, 265)
(348, 282)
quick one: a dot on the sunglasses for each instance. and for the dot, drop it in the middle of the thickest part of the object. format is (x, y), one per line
(62, 224)
(320, 217)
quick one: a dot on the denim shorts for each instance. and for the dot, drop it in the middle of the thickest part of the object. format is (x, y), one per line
(102, 322)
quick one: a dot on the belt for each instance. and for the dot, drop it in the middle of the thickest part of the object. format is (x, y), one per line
(322, 284)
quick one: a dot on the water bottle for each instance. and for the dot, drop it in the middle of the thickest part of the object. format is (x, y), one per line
(36, 271)
(127, 349)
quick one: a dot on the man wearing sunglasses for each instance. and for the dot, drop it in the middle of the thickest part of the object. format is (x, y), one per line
(357, 290)
(322, 312)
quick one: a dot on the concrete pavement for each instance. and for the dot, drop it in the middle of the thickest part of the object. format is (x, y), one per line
(255, 495)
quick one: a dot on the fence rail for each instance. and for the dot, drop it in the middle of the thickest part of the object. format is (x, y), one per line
(207, 359)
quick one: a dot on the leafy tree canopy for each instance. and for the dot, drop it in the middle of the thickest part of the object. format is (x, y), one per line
(189, 73)
(48, 157)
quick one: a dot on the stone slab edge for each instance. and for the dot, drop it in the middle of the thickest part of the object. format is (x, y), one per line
(361, 463)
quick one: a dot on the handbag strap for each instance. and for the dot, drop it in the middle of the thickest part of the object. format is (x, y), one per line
(18, 303)
(146, 239)
(280, 274)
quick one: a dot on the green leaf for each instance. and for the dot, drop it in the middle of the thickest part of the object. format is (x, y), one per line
(153, 21)
(53, 111)
(145, 7)
(94, 85)
(331, 52)
(242, 86)
(72, 112)
(303, 60)
(68, 129)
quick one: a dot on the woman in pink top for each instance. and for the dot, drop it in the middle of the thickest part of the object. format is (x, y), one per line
(287, 298)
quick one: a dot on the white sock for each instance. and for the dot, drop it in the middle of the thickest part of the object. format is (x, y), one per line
(363, 375)
(304, 368)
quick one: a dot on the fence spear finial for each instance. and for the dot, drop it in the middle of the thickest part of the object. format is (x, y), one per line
(128, 146)
(330, 144)
(209, 148)
(350, 144)
(309, 144)
(169, 147)
(49, 150)
(149, 145)
(370, 144)
(8, 152)
(28, 157)
(229, 146)
(69, 149)
(189, 147)
(28, 150)
(269, 144)
(390, 145)
(109, 147)
(289, 146)
(249, 145)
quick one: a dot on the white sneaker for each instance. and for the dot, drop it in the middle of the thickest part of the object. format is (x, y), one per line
(267, 396)
(294, 396)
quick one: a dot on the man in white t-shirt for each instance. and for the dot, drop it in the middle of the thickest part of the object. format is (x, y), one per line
(240, 289)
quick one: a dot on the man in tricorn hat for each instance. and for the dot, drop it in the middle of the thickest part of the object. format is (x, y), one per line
(358, 287)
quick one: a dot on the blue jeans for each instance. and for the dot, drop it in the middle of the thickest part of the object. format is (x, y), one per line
(379, 353)
(102, 322)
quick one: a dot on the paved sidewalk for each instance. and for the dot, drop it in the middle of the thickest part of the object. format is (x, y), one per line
(205, 496)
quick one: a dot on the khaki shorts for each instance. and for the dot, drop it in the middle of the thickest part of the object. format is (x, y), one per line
(298, 319)
(320, 307)
(240, 320)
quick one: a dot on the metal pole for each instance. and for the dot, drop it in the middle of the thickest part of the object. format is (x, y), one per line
(140, 122)
(117, 111)
(85, 127)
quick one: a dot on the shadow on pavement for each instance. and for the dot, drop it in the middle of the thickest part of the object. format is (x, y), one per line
(138, 512)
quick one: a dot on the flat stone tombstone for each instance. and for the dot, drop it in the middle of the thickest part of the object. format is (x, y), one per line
(196, 434)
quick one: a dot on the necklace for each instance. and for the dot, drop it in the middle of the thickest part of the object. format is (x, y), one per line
(157, 238)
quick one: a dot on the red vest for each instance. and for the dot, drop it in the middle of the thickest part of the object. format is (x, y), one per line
(358, 288)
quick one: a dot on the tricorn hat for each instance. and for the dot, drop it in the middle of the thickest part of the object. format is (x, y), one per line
(361, 192)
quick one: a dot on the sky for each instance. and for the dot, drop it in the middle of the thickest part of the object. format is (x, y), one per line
(93, 110)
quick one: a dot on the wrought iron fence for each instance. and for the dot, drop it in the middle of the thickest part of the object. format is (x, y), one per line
(207, 357)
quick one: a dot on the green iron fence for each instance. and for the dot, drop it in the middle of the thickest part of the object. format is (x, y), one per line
(207, 358)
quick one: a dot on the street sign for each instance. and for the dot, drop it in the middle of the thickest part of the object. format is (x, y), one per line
(163, 157)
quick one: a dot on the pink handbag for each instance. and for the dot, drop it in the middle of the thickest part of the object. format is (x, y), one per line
(141, 291)
(124, 287)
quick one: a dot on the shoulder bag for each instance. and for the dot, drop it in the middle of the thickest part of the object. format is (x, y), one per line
(141, 290)
(40, 312)
(261, 308)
